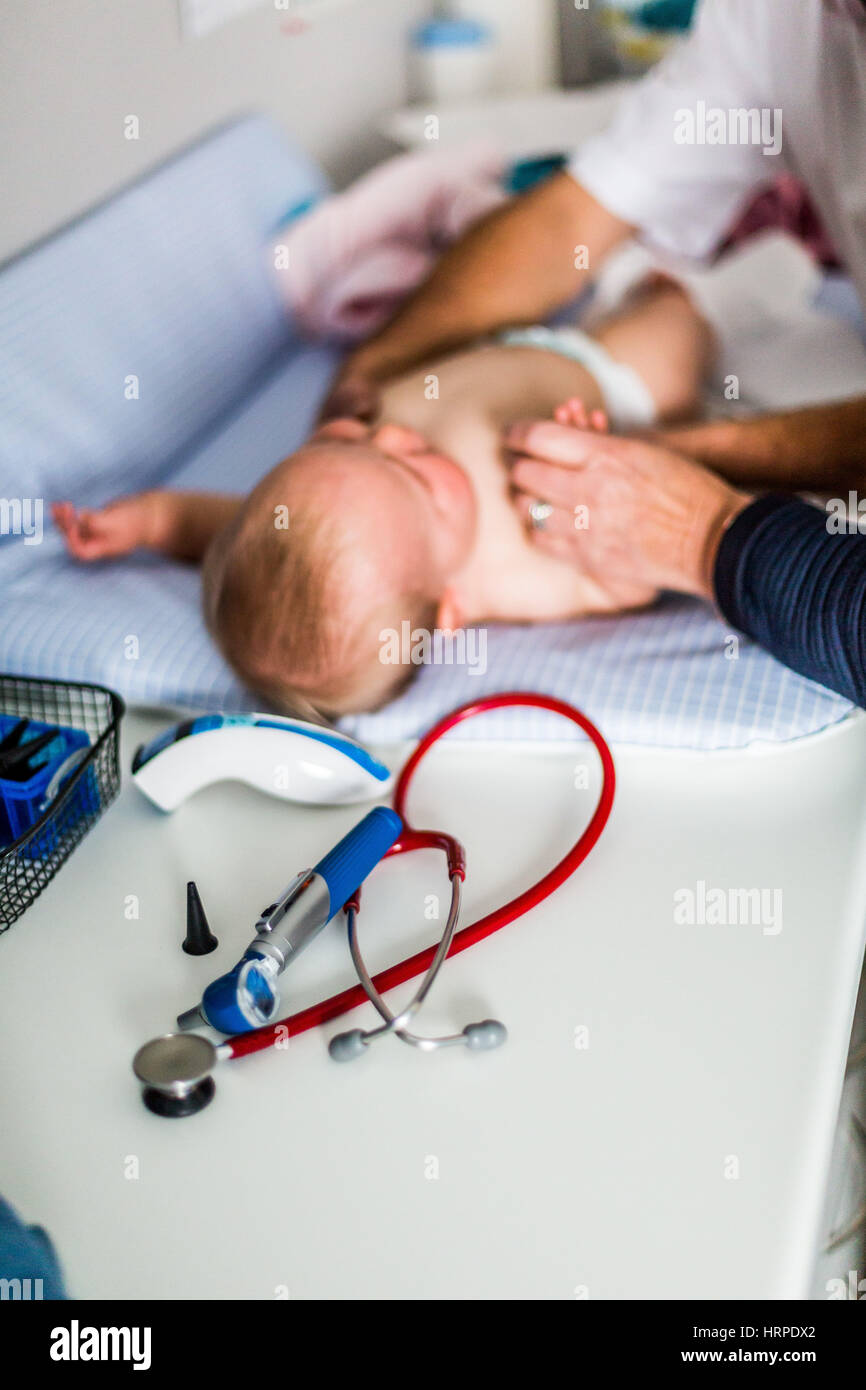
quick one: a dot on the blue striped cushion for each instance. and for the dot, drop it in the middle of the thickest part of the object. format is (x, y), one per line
(166, 283)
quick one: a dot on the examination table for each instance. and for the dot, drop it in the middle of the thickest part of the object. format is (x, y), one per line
(659, 1124)
(662, 1120)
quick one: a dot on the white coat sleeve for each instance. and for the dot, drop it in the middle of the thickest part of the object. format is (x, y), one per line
(683, 197)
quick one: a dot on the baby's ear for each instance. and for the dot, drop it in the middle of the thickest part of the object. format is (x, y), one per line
(449, 614)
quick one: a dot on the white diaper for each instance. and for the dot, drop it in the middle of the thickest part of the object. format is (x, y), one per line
(773, 341)
(627, 400)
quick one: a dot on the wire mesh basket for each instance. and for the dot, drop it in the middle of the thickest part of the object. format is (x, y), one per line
(88, 717)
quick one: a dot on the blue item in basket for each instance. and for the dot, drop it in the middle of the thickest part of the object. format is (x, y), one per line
(17, 753)
(29, 782)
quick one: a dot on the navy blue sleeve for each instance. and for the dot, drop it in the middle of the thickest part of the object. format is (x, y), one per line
(799, 590)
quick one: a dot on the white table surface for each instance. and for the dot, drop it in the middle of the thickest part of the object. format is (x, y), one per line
(562, 1171)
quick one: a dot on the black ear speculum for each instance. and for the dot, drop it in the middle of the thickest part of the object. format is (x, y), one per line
(200, 940)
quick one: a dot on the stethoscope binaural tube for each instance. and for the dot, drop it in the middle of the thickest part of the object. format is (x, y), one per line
(244, 1044)
(481, 1036)
(399, 1023)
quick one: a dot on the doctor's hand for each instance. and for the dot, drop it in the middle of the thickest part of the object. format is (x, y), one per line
(620, 509)
(352, 396)
(355, 391)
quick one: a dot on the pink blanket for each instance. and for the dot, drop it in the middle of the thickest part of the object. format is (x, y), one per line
(345, 266)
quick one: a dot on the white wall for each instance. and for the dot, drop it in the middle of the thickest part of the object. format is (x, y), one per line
(71, 70)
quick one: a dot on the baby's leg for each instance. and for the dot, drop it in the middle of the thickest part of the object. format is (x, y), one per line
(662, 337)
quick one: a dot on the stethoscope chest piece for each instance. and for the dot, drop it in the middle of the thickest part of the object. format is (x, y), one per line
(175, 1072)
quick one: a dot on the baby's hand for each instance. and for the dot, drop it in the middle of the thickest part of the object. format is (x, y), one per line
(574, 412)
(118, 529)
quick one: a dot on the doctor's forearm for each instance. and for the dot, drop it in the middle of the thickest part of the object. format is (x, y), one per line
(818, 448)
(516, 266)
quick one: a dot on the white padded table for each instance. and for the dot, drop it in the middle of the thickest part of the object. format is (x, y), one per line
(545, 1170)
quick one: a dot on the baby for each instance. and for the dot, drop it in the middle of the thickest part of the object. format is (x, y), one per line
(409, 518)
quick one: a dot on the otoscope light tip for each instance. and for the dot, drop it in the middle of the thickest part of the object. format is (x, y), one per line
(193, 1018)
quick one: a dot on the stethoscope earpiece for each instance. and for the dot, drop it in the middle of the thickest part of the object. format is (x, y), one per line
(484, 1036)
(345, 1047)
(478, 1037)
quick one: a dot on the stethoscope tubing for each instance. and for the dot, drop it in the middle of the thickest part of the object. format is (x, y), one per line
(325, 1010)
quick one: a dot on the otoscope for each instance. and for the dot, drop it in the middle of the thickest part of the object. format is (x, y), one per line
(246, 997)
(175, 1070)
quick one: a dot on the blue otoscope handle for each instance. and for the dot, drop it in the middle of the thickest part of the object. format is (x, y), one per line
(346, 866)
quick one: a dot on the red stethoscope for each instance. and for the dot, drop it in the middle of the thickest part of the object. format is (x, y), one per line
(488, 1033)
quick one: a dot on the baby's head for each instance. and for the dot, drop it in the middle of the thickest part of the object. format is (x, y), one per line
(362, 529)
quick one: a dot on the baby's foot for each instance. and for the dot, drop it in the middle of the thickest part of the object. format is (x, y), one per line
(574, 412)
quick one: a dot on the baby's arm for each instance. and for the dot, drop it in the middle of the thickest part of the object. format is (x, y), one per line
(179, 524)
